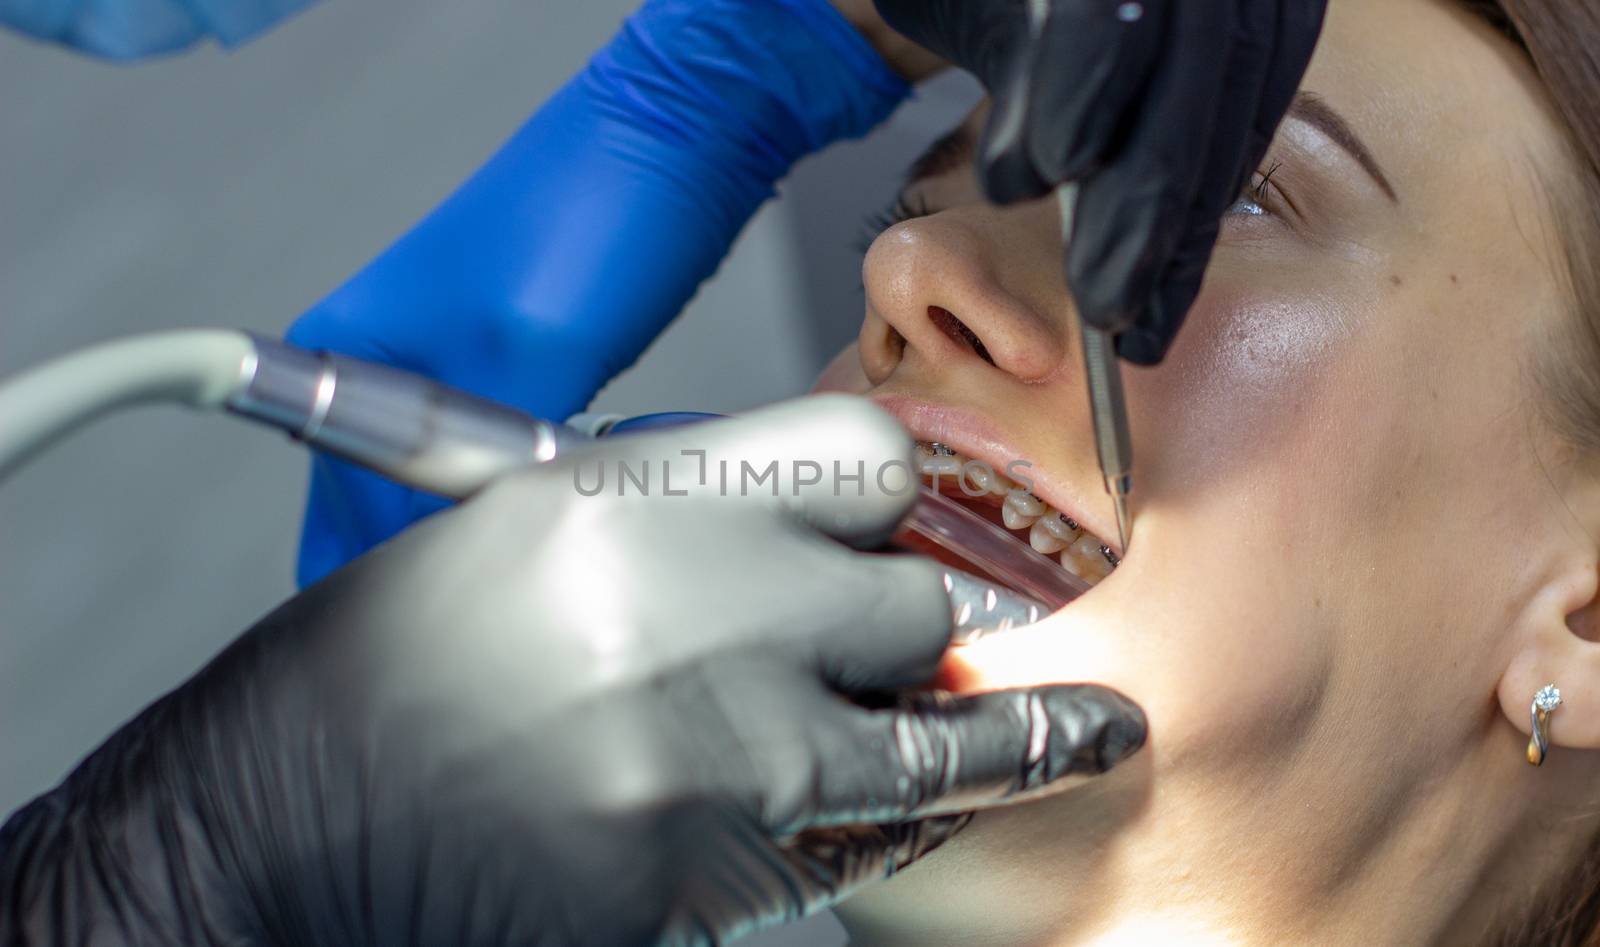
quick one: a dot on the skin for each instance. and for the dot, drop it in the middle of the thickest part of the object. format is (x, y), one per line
(1357, 549)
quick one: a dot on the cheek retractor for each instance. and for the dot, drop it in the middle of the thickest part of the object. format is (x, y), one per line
(1028, 584)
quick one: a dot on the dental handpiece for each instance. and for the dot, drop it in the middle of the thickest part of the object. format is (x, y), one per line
(409, 428)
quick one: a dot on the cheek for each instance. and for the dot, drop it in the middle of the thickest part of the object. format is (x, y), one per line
(1250, 457)
(1248, 371)
(1225, 665)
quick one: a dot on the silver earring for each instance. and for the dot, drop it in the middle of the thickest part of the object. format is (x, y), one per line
(1544, 704)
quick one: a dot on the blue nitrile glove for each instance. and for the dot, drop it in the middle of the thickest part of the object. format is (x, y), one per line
(131, 29)
(552, 268)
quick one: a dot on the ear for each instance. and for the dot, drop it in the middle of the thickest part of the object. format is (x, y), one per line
(1558, 637)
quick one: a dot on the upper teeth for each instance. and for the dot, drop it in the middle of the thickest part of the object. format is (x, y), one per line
(1060, 527)
(987, 479)
(1020, 510)
(1043, 537)
(1050, 532)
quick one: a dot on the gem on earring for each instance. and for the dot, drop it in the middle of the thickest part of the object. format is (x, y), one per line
(1545, 702)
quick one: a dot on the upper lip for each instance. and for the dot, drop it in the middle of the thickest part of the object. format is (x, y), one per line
(978, 438)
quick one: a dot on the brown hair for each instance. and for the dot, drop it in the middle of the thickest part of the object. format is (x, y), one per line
(1562, 39)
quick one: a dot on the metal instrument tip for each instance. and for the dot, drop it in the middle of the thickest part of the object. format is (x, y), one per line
(1110, 415)
(1119, 499)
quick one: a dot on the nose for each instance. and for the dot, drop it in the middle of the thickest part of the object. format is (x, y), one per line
(970, 289)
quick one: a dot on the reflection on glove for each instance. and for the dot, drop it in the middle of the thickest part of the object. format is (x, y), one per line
(551, 269)
(132, 29)
(545, 717)
(1160, 109)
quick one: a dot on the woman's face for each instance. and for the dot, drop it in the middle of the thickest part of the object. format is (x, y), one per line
(1339, 473)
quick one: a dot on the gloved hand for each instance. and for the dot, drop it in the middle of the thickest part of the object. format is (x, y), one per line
(1160, 109)
(570, 250)
(545, 717)
(133, 29)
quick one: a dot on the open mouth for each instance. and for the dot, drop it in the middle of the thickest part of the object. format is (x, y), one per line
(988, 512)
(978, 486)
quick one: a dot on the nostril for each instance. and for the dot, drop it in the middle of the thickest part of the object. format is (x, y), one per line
(896, 344)
(958, 331)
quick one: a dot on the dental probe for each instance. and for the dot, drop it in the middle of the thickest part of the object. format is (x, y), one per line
(1107, 406)
(401, 425)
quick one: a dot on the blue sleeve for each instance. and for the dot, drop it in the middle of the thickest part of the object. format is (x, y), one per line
(132, 29)
(553, 267)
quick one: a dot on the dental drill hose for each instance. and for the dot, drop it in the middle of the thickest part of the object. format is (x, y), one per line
(401, 425)
(196, 367)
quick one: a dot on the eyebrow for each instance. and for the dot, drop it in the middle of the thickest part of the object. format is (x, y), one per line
(1309, 107)
(956, 146)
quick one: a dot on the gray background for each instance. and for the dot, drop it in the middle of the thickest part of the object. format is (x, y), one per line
(237, 189)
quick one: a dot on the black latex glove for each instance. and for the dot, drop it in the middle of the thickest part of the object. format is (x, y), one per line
(1160, 109)
(546, 718)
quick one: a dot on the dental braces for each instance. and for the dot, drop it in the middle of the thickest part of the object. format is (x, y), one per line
(1106, 552)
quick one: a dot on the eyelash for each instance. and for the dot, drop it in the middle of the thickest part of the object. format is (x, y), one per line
(898, 212)
(1258, 193)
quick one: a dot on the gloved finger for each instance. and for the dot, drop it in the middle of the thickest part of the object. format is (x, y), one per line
(981, 38)
(829, 865)
(1062, 110)
(1129, 213)
(1299, 24)
(837, 463)
(900, 630)
(937, 754)
(1147, 341)
(1236, 149)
